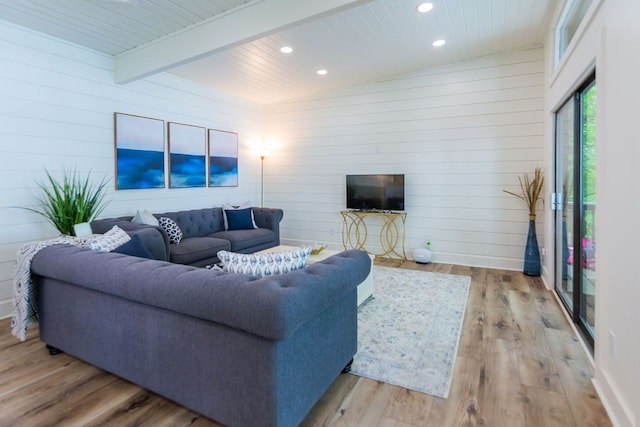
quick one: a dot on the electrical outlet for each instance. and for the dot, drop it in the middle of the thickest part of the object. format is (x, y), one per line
(613, 351)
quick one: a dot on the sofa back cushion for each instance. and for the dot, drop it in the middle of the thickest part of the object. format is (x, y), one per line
(273, 307)
(101, 226)
(197, 222)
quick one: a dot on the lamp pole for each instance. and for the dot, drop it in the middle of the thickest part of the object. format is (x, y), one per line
(262, 156)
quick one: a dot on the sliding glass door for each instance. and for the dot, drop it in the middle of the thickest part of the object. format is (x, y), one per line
(575, 206)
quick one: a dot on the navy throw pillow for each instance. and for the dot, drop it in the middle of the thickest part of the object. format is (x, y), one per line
(239, 219)
(134, 247)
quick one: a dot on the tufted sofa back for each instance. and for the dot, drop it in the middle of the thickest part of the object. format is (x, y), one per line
(197, 222)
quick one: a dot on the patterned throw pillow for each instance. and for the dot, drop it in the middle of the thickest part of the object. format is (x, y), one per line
(172, 229)
(266, 264)
(108, 241)
(145, 217)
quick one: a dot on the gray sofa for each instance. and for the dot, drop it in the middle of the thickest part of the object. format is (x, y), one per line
(241, 350)
(204, 234)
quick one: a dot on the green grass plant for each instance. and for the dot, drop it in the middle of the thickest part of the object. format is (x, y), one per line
(70, 201)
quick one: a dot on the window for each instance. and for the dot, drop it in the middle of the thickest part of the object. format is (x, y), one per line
(570, 19)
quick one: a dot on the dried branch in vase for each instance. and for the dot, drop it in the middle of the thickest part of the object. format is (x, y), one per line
(531, 189)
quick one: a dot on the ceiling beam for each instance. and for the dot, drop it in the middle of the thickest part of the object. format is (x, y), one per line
(240, 25)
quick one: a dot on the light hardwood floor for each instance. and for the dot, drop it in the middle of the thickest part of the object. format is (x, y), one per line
(518, 364)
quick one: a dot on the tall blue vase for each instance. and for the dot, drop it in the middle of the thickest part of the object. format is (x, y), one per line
(531, 251)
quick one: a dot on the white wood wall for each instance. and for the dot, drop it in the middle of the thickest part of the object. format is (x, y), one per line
(56, 111)
(460, 133)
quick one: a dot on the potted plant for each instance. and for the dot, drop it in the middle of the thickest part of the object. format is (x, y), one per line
(531, 191)
(71, 201)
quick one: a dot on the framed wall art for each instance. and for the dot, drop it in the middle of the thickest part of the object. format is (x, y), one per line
(139, 152)
(187, 155)
(223, 158)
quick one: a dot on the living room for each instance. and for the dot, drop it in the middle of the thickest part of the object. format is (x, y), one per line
(460, 132)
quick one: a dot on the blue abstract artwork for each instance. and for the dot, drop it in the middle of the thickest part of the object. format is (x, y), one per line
(139, 152)
(187, 156)
(223, 158)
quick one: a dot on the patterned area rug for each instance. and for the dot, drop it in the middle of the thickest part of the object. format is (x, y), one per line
(408, 332)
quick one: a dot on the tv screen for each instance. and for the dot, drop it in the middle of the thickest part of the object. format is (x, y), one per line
(375, 192)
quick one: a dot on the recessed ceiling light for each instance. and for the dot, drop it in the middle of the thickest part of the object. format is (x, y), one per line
(424, 7)
(322, 72)
(286, 49)
(439, 43)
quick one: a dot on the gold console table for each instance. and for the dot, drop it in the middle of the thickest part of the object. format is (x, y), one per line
(355, 232)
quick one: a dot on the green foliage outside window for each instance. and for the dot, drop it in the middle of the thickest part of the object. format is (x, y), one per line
(589, 156)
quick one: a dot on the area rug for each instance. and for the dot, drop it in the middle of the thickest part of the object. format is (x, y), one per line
(408, 332)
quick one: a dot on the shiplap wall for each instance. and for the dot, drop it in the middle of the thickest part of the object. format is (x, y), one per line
(460, 133)
(56, 112)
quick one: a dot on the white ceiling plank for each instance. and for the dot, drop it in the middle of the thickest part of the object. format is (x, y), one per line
(373, 41)
(241, 25)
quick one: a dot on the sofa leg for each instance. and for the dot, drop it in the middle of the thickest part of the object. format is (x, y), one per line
(347, 368)
(53, 351)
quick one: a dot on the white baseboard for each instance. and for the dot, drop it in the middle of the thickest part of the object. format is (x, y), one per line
(5, 308)
(617, 408)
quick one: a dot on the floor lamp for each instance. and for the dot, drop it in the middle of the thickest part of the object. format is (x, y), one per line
(262, 156)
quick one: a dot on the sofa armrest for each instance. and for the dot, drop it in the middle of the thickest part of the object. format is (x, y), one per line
(160, 246)
(269, 218)
(101, 226)
(273, 307)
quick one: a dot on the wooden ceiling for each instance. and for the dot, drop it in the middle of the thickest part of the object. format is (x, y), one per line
(234, 45)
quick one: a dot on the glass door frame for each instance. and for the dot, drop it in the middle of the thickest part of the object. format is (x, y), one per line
(578, 300)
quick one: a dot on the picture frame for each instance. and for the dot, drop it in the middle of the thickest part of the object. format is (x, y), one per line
(139, 152)
(187, 146)
(222, 158)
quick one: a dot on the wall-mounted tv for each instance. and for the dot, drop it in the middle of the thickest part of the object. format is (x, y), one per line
(375, 192)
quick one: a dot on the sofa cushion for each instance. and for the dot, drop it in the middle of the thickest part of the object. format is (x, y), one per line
(243, 239)
(134, 247)
(171, 228)
(108, 241)
(267, 264)
(197, 222)
(195, 249)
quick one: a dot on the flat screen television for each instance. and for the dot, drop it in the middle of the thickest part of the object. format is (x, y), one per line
(375, 192)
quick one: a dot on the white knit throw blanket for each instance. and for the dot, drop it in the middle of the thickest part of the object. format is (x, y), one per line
(25, 295)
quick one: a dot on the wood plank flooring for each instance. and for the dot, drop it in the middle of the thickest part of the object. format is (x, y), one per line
(518, 364)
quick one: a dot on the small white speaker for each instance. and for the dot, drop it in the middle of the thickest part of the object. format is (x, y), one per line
(422, 255)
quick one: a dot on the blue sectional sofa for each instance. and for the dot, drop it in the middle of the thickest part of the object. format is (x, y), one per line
(242, 350)
(204, 234)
